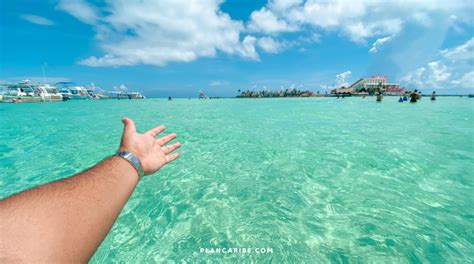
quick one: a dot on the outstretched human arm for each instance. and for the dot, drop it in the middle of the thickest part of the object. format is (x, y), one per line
(66, 220)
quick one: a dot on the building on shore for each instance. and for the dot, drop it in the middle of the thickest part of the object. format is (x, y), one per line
(374, 84)
(371, 85)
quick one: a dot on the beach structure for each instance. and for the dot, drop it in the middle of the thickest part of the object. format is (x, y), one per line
(343, 91)
(376, 83)
(371, 85)
(26, 91)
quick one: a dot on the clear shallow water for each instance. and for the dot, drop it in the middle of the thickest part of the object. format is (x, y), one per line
(317, 180)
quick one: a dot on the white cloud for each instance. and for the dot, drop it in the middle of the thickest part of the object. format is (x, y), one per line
(325, 14)
(422, 18)
(356, 19)
(248, 48)
(219, 83)
(360, 31)
(283, 5)
(39, 20)
(466, 81)
(266, 21)
(415, 77)
(270, 45)
(461, 52)
(452, 69)
(342, 78)
(378, 43)
(158, 32)
(434, 75)
(438, 71)
(80, 9)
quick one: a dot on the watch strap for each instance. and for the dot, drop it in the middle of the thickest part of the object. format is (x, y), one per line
(133, 160)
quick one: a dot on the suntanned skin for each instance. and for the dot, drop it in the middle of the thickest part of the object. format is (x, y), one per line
(65, 221)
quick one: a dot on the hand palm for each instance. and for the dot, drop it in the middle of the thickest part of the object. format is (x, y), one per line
(152, 153)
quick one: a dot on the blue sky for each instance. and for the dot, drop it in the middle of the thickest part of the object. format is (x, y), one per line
(178, 47)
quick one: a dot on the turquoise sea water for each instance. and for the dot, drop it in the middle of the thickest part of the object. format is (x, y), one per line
(317, 180)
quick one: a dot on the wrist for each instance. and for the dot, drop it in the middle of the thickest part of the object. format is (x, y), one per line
(123, 172)
(132, 160)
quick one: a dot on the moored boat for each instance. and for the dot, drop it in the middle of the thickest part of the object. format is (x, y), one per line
(29, 92)
(71, 91)
(125, 95)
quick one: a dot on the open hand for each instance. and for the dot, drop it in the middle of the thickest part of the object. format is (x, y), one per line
(152, 152)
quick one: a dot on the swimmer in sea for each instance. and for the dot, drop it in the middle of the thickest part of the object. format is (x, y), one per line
(65, 221)
(433, 96)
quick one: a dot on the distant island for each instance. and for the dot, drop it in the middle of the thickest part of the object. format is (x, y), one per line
(280, 93)
(362, 87)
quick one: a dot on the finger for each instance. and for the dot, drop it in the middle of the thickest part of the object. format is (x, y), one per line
(163, 140)
(171, 148)
(172, 157)
(156, 130)
(129, 126)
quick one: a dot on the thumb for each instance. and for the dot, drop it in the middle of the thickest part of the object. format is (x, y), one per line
(129, 126)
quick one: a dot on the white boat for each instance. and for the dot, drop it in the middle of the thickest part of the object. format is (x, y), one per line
(125, 95)
(49, 92)
(71, 91)
(202, 95)
(135, 95)
(28, 92)
(79, 93)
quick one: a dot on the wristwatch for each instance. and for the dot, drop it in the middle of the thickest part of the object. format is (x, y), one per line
(132, 159)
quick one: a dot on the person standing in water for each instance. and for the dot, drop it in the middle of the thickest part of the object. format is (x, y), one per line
(414, 96)
(379, 97)
(433, 96)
